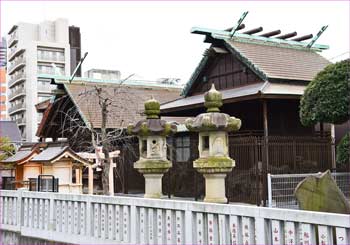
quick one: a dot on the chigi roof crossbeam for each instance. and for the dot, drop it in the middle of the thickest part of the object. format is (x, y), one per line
(267, 37)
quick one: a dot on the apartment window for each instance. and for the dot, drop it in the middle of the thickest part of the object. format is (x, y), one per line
(182, 149)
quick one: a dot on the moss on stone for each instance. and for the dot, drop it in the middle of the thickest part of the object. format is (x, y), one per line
(152, 109)
(214, 162)
(152, 164)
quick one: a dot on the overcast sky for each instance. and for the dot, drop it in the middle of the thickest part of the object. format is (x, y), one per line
(153, 39)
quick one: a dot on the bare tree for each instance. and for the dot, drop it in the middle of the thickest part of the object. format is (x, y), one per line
(112, 105)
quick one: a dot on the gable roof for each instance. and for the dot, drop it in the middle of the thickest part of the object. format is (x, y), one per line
(128, 102)
(10, 130)
(53, 154)
(23, 155)
(268, 60)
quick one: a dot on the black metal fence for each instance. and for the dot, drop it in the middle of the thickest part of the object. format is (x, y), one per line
(8, 183)
(254, 156)
(44, 183)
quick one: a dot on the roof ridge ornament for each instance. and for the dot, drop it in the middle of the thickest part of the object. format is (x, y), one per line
(227, 35)
(323, 28)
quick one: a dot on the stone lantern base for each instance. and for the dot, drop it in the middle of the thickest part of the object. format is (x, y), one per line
(214, 170)
(153, 171)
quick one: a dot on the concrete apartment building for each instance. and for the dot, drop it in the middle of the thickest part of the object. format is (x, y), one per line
(3, 85)
(36, 50)
(103, 74)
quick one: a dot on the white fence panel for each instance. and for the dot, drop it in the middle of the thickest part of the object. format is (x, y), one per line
(87, 219)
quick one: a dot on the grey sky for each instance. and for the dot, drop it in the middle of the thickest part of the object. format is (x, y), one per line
(153, 39)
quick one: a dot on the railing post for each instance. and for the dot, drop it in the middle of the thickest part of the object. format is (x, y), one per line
(188, 226)
(132, 224)
(88, 216)
(269, 190)
(19, 209)
(52, 221)
(260, 232)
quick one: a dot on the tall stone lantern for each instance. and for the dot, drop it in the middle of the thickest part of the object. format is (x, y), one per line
(152, 133)
(214, 161)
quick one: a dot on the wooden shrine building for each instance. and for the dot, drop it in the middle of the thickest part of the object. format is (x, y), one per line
(262, 78)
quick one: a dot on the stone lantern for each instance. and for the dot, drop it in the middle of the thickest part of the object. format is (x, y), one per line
(214, 161)
(152, 133)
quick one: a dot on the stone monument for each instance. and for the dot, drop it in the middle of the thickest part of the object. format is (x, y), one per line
(153, 162)
(321, 193)
(214, 161)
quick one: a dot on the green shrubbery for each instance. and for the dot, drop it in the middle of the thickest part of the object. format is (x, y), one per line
(326, 98)
(343, 152)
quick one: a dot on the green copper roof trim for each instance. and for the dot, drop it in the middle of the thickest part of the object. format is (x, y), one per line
(218, 34)
(271, 44)
(254, 68)
(65, 80)
(194, 75)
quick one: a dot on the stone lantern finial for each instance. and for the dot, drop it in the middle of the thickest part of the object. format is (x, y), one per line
(152, 108)
(213, 100)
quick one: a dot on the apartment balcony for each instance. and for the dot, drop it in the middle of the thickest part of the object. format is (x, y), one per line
(16, 79)
(13, 39)
(16, 65)
(17, 93)
(17, 108)
(15, 52)
(51, 71)
(46, 58)
(21, 121)
(46, 88)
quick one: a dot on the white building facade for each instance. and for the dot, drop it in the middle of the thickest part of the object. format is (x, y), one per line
(34, 50)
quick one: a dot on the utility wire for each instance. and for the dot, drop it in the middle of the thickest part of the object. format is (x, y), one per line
(339, 55)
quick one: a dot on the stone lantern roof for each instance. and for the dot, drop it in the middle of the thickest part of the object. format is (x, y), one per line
(213, 119)
(152, 125)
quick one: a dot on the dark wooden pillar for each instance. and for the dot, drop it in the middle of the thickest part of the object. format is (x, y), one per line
(265, 151)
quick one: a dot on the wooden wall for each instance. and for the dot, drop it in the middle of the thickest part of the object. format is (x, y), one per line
(225, 71)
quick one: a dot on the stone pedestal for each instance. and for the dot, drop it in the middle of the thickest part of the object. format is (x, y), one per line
(214, 170)
(153, 185)
(153, 171)
(215, 188)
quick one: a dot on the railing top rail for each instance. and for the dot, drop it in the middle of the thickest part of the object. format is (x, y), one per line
(306, 175)
(332, 219)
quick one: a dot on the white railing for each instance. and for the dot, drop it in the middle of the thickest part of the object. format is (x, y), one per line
(88, 219)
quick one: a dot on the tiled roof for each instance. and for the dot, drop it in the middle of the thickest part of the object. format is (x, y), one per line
(281, 61)
(128, 101)
(50, 153)
(19, 156)
(9, 129)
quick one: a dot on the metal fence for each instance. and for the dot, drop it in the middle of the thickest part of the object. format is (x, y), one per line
(281, 188)
(44, 183)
